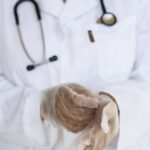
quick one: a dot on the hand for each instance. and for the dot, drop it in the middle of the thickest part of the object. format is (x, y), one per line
(72, 104)
(106, 124)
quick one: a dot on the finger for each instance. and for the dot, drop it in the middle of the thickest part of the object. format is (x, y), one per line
(80, 100)
(73, 113)
(69, 124)
(65, 112)
(66, 115)
(92, 102)
(64, 91)
(83, 101)
(73, 127)
(64, 98)
(69, 118)
(80, 90)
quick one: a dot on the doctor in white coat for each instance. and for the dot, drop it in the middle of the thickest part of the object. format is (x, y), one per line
(114, 59)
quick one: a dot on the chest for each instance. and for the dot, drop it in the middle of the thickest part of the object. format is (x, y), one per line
(88, 52)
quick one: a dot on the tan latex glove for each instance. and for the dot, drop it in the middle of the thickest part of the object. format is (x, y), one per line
(72, 105)
(105, 126)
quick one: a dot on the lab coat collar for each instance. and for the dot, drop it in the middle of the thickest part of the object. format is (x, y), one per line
(52, 7)
(69, 10)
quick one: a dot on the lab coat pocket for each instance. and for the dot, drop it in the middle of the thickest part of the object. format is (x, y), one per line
(115, 49)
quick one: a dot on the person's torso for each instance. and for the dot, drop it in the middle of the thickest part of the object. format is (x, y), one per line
(107, 60)
(66, 28)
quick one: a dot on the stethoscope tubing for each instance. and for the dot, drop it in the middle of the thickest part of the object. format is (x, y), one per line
(44, 60)
(37, 9)
(103, 7)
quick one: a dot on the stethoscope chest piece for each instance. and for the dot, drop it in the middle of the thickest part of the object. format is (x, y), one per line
(108, 19)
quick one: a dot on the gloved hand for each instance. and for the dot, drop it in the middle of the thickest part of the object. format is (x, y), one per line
(72, 105)
(105, 126)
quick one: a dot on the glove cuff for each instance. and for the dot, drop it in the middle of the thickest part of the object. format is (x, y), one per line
(48, 103)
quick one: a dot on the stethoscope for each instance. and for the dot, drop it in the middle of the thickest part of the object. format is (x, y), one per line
(107, 18)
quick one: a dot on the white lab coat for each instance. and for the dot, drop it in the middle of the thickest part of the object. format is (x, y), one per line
(118, 62)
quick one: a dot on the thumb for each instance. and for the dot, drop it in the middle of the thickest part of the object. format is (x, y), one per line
(104, 123)
(105, 119)
(110, 112)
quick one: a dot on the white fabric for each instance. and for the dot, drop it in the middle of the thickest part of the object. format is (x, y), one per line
(118, 63)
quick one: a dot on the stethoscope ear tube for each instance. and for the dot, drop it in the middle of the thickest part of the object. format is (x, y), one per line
(22, 1)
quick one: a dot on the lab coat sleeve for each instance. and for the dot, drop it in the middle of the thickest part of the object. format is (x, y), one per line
(133, 95)
(20, 119)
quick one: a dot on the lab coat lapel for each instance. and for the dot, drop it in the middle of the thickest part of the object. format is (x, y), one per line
(68, 11)
(76, 8)
(52, 7)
